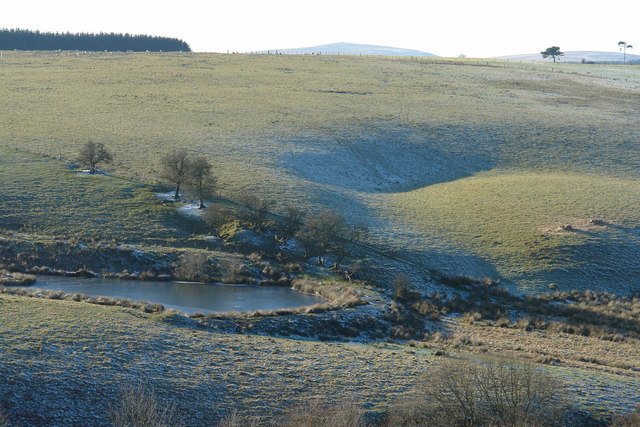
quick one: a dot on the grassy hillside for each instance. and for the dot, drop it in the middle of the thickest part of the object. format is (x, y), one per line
(437, 156)
(577, 230)
(66, 363)
(49, 196)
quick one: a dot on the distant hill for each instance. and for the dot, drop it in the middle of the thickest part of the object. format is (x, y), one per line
(351, 49)
(577, 56)
(17, 39)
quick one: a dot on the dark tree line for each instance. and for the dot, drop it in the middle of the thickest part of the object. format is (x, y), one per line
(36, 40)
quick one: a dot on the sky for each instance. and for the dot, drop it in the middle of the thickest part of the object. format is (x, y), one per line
(475, 28)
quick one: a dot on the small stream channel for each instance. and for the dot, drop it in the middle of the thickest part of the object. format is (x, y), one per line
(186, 297)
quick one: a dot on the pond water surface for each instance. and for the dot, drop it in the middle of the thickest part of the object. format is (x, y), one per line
(186, 297)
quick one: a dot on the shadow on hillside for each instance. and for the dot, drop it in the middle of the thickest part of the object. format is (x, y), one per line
(383, 158)
(607, 261)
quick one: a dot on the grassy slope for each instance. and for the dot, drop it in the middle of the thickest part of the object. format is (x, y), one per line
(356, 134)
(50, 196)
(66, 362)
(513, 219)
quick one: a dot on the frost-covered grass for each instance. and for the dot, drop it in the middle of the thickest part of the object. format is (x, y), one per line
(55, 352)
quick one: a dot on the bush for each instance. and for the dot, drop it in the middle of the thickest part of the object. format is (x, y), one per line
(494, 393)
(256, 212)
(4, 418)
(290, 223)
(193, 266)
(631, 420)
(138, 407)
(318, 414)
(217, 215)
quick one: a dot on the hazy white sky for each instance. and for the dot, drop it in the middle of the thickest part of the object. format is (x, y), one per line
(476, 28)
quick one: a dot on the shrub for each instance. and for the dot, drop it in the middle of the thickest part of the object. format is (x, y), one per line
(193, 266)
(216, 215)
(318, 414)
(290, 223)
(402, 291)
(138, 407)
(256, 211)
(495, 393)
(631, 420)
(4, 418)
(234, 270)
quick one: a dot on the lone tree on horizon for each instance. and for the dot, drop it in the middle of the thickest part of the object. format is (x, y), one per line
(93, 153)
(175, 167)
(200, 180)
(623, 47)
(553, 52)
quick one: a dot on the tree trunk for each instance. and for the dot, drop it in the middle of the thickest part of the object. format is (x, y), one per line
(177, 195)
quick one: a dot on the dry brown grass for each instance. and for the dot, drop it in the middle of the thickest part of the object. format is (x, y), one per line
(543, 346)
(313, 413)
(338, 296)
(16, 279)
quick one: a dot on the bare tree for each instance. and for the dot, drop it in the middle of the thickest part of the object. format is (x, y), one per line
(492, 393)
(256, 210)
(322, 233)
(624, 46)
(175, 167)
(93, 153)
(200, 180)
(290, 223)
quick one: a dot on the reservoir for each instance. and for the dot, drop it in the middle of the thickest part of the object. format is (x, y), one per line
(186, 297)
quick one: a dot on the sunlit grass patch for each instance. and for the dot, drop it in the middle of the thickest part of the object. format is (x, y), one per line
(519, 221)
